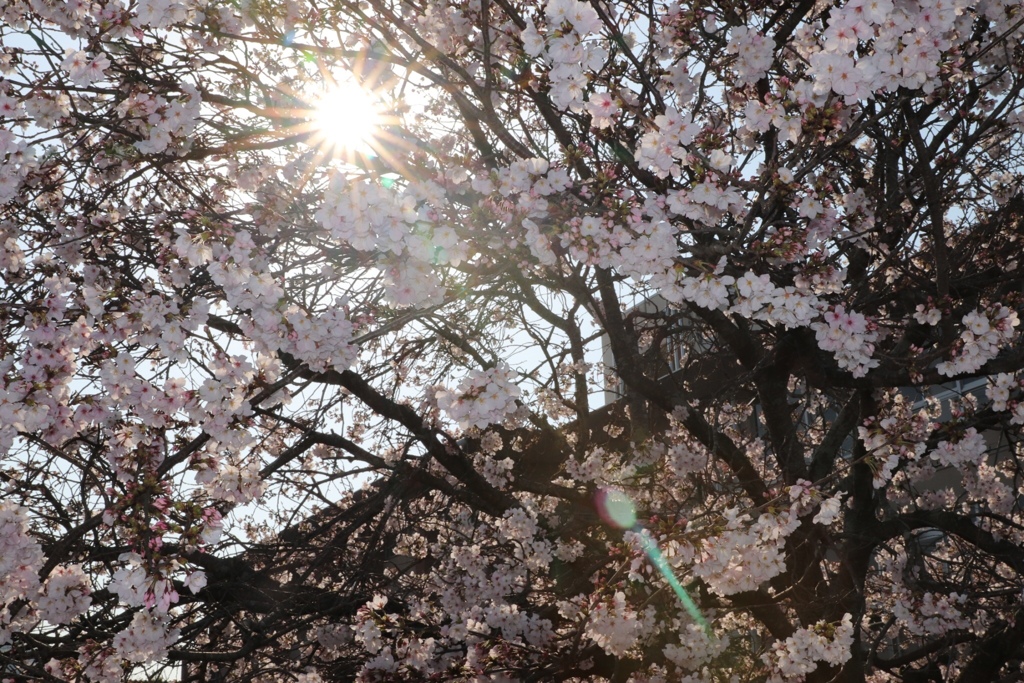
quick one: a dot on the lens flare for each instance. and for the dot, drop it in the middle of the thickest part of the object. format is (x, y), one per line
(616, 508)
(661, 564)
(347, 117)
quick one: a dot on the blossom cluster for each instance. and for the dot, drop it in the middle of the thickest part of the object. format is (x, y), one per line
(322, 338)
(695, 648)
(666, 147)
(850, 337)
(800, 654)
(570, 56)
(759, 299)
(146, 639)
(613, 625)
(987, 332)
(82, 69)
(65, 595)
(754, 54)
(744, 555)
(908, 40)
(1002, 390)
(408, 241)
(20, 561)
(162, 13)
(483, 397)
(17, 161)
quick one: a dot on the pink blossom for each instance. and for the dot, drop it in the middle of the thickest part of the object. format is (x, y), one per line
(602, 108)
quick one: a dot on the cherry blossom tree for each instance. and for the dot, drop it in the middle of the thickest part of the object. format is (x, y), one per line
(303, 311)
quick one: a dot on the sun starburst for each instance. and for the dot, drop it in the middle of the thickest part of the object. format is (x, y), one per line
(346, 117)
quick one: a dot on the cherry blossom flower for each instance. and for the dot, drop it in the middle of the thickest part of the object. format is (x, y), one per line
(602, 108)
(84, 70)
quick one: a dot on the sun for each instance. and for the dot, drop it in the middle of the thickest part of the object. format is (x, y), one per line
(346, 117)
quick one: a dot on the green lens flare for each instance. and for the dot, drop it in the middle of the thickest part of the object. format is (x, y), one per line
(662, 565)
(616, 508)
